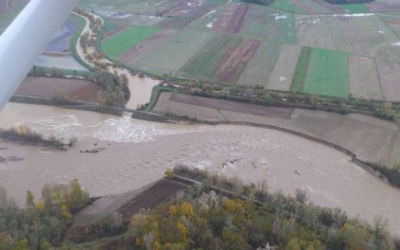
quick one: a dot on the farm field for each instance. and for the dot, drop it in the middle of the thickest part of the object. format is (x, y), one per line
(392, 19)
(363, 131)
(171, 57)
(279, 46)
(60, 41)
(170, 8)
(307, 6)
(260, 67)
(124, 40)
(270, 25)
(61, 62)
(327, 74)
(274, 46)
(204, 65)
(383, 6)
(359, 34)
(50, 87)
(389, 74)
(146, 47)
(364, 78)
(284, 70)
(355, 7)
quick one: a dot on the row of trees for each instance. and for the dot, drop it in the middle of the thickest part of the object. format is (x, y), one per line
(42, 223)
(260, 95)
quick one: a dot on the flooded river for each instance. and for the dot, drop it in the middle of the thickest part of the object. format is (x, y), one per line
(137, 152)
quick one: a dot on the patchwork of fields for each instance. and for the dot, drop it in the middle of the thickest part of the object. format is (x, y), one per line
(308, 46)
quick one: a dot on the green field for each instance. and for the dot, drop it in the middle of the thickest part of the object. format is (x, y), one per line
(288, 6)
(300, 74)
(380, 37)
(123, 41)
(327, 74)
(270, 25)
(310, 7)
(355, 7)
(260, 67)
(203, 64)
(173, 55)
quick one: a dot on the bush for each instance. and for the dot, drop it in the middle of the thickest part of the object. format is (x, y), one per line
(344, 109)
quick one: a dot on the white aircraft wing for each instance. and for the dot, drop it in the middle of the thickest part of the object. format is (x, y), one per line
(26, 38)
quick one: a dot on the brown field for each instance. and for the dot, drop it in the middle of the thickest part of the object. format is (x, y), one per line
(148, 46)
(312, 123)
(283, 113)
(232, 19)
(384, 6)
(369, 138)
(114, 31)
(235, 60)
(212, 109)
(355, 40)
(303, 6)
(389, 74)
(314, 31)
(282, 75)
(332, 7)
(50, 87)
(175, 23)
(364, 79)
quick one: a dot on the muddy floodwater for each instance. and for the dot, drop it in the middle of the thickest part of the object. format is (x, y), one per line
(140, 88)
(135, 153)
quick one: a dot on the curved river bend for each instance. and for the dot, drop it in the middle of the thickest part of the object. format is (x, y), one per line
(137, 152)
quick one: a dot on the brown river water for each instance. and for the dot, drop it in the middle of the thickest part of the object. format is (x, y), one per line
(137, 152)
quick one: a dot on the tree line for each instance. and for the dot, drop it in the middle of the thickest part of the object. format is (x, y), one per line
(42, 223)
(115, 93)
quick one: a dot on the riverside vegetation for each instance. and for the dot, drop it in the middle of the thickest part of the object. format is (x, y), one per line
(42, 223)
(24, 134)
(211, 213)
(115, 94)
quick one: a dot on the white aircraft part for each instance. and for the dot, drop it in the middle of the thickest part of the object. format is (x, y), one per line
(26, 38)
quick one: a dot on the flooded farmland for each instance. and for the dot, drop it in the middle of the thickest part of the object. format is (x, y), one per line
(135, 153)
